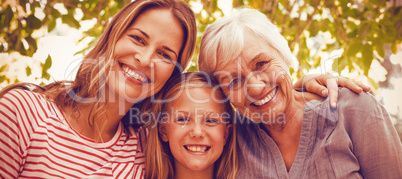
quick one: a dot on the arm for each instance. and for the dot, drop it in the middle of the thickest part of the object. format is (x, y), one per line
(318, 84)
(10, 155)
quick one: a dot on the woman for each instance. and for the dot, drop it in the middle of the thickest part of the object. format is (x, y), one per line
(293, 134)
(74, 129)
(194, 134)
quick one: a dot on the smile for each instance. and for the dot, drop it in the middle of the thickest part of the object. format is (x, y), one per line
(267, 99)
(197, 148)
(132, 73)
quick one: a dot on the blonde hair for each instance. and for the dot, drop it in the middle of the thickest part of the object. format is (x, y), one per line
(92, 74)
(223, 40)
(159, 159)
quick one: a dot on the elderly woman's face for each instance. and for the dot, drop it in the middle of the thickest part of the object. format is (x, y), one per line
(256, 82)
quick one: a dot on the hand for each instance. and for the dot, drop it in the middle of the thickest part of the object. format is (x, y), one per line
(324, 84)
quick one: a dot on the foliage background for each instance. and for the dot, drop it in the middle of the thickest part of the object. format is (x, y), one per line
(356, 39)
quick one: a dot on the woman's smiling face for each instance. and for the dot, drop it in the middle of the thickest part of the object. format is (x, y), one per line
(257, 82)
(196, 129)
(146, 55)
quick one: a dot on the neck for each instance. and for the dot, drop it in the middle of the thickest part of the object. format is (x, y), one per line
(183, 173)
(102, 127)
(289, 131)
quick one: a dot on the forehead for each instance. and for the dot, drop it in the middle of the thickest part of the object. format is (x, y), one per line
(254, 47)
(160, 25)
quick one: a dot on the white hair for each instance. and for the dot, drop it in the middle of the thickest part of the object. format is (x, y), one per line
(223, 40)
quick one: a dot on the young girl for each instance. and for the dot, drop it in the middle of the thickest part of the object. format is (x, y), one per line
(194, 132)
(73, 129)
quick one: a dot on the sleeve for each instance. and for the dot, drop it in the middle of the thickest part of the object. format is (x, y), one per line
(377, 145)
(10, 153)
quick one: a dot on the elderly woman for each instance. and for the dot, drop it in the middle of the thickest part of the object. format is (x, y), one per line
(293, 134)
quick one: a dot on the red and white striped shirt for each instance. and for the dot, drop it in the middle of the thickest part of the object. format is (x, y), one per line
(36, 141)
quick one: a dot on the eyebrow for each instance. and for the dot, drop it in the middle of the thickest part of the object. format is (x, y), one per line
(168, 49)
(182, 112)
(142, 32)
(147, 36)
(258, 56)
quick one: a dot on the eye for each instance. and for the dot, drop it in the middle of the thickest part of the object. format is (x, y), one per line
(234, 84)
(260, 64)
(211, 121)
(182, 120)
(165, 56)
(138, 39)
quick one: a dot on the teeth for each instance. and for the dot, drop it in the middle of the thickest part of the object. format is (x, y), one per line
(193, 148)
(266, 99)
(132, 73)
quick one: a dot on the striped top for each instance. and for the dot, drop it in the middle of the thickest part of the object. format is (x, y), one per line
(36, 141)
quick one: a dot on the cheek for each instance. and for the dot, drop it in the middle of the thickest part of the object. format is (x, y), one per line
(219, 137)
(237, 97)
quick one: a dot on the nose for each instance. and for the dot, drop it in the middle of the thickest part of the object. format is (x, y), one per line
(255, 85)
(197, 131)
(145, 57)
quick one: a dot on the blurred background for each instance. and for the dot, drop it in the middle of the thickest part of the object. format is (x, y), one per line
(44, 41)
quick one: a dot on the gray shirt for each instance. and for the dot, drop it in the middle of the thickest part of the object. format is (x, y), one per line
(356, 140)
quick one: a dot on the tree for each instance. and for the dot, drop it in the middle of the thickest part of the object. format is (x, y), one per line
(360, 28)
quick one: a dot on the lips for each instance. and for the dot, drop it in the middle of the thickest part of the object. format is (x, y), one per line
(267, 98)
(135, 74)
(197, 148)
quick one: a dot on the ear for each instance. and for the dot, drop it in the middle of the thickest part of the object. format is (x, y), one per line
(227, 131)
(162, 132)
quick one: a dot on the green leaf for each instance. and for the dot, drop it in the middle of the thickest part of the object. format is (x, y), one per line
(353, 48)
(33, 22)
(367, 55)
(380, 49)
(48, 63)
(2, 68)
(45, 67)
(51, 25)
(8, 16)
(46, 75)
(69, 20)
(394, 48)
(28, 71)
(364, 30)
(2, 78)
(55, 13)
(314, 28)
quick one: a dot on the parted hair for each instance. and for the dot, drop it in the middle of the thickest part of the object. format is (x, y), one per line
(92, 74)
(159, 159)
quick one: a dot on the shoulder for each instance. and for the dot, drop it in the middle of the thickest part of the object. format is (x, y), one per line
(348, 98)
(362, 105)
(23, 98)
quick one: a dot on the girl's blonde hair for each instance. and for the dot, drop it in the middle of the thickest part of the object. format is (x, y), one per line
(92, 75)
(159, 159)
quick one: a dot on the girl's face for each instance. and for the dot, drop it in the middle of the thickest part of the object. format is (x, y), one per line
(146, 55)
(195, 127)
